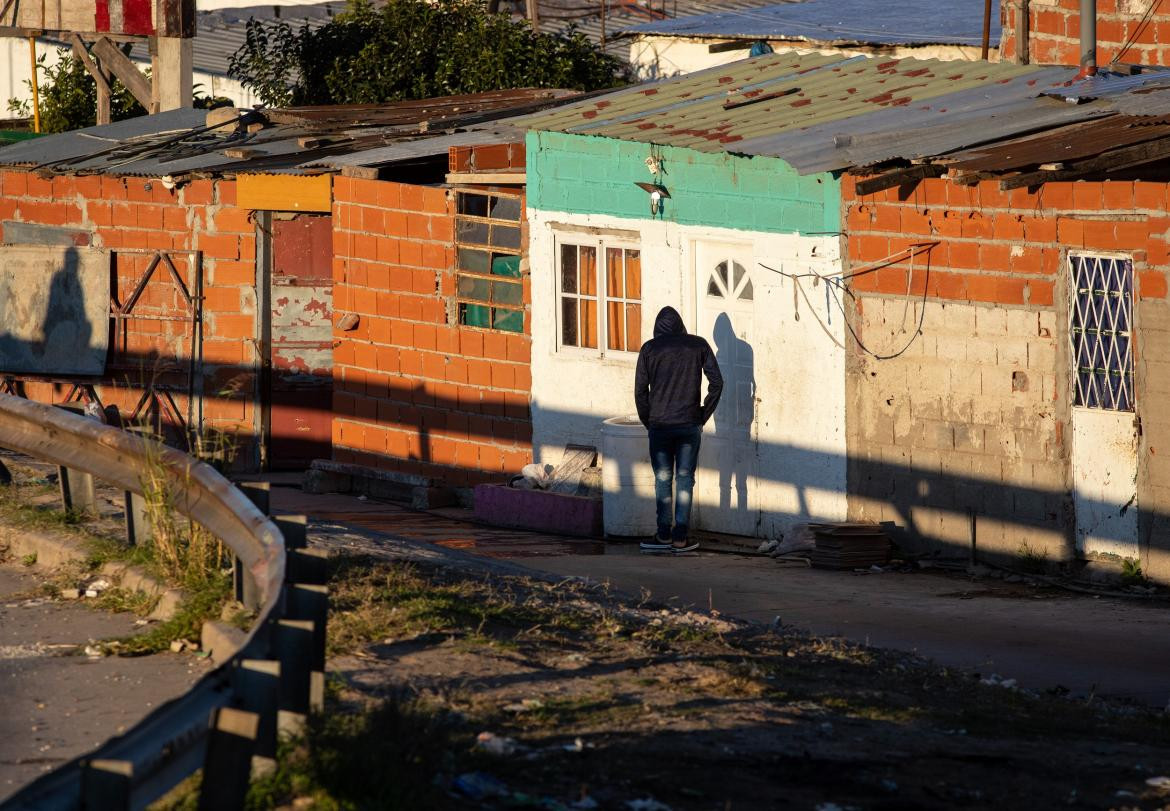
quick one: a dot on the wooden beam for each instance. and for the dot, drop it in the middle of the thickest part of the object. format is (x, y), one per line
(733, 45)
(285, 192)
(113, 60)
(104, 91)
(1108, 162)
(488, 178)
(897, 177)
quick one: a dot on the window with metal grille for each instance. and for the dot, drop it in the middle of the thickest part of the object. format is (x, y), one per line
(1100, 330)
(487, 260)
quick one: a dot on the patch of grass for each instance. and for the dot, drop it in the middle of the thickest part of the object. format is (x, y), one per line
(1131, 572)
(1031, 561)
(125, 601)
(29, 560)
(199, 606)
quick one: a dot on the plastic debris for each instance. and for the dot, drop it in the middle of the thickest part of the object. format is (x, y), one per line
(480, 785)
(94, 652)
(577, 745)
(497, 745)
(526, 705)
(995, 680)
(647, 804)
(768, 546)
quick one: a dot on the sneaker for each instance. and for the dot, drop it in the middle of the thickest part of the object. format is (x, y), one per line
(684, 545)
(655, 545)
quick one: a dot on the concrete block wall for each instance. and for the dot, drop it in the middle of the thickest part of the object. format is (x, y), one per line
(975, 412)
(1055, 30)
(133, 214)
(582, 174)
(413, 390)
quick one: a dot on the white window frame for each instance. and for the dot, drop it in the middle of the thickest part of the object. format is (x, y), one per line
(600, 244)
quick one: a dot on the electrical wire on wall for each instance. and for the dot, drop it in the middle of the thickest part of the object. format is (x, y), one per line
(1138, 30)
(835, 283)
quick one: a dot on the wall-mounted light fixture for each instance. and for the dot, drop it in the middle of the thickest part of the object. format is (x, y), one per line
(657, 194)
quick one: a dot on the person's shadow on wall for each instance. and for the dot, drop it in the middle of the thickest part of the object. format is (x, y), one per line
(736, 411)
(63, 341)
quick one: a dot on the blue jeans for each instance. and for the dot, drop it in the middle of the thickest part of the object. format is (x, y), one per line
(674, 452)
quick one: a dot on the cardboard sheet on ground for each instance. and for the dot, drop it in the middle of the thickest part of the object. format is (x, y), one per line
(54, 309)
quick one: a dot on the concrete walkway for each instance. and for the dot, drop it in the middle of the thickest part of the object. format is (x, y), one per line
(1043, 638)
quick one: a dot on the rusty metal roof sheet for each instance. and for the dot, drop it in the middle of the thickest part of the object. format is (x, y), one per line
(1064, 144)
(292, 140)
(838, 22)
(720, 108)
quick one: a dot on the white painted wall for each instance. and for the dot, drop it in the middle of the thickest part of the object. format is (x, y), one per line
(658, 57)
(800, 362)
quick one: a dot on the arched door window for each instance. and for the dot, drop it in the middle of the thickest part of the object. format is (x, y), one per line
(729, 280)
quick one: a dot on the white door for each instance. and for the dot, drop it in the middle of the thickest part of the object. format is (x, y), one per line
(1104, 449)
(725, 497)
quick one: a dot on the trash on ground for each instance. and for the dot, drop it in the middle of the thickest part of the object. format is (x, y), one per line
(849, 546)
(498, 745)
(480, 786)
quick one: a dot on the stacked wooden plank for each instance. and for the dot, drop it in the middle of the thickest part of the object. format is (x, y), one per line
(849, 546)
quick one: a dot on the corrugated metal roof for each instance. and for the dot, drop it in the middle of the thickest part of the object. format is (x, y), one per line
(931, 127)
(1109, 85)
(293, 140)
(784, 93)
(907, 22)
(1065, 144)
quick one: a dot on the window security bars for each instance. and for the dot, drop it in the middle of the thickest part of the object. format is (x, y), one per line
(1101, 332)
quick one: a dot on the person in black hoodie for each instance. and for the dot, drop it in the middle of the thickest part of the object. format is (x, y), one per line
(667, 390)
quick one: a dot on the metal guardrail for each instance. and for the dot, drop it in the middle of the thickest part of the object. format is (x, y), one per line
(229, 721)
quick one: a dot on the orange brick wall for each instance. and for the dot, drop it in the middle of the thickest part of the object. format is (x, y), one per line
(127, 214)
(414, 391)
(1004, 247)
(1055, 30)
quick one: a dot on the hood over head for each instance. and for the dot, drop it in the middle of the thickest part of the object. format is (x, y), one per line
(669, 322)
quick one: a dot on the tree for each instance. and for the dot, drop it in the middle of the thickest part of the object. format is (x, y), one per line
(68, 97)
(413, 49)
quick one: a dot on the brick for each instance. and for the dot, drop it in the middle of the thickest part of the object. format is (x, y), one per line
(479, 372)
(1087, 196)
(495, 345)
(1152, 284)
(234, 326)
(235, 220)
(219, 246)
(1118, 195)
(1041, 293)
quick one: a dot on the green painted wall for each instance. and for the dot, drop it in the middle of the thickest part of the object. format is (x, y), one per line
(590, 175)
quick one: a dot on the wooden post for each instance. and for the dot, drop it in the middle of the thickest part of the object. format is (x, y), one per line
(246, 590)
(173, 75)
(36, 88)
(257, 683)
(106, 784)
(534, 15)
(311, 603)
(293, 645)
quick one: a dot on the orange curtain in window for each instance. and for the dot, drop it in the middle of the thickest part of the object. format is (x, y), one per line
(587, 265)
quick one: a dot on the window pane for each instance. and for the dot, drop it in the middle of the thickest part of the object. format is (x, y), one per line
(505, 236)
(473, 288)
(474, 204)
(614, 325)
(506, 266)
(737, 269)
(613, 272)
(589, 323)
(473, 315)
(506, 208)
(713, 288)
(721, 271)
(473, 260)
(569, 268)
(507, 293)
(569, 321)
(633, 327)
(634, 275)
(471, 231)
(588, 270)
(747, 293)
(509, 320)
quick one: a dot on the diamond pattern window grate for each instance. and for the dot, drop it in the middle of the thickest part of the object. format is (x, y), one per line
(1101, 332)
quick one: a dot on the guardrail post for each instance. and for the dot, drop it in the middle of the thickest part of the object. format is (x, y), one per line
(106, 784)
(77, 491)
(306, 602)
(294, 528)
(227, 768)
(256, 684)
(138, 529)
(247, 592)
(293, 644)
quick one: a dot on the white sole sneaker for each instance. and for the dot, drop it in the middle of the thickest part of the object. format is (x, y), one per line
(654, 546)
(690, 547)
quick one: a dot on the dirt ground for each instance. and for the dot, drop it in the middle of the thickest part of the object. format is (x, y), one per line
(559, 695)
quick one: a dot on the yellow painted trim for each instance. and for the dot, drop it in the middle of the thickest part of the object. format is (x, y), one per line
(285, 192)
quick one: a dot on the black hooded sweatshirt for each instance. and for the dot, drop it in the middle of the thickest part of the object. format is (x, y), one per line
(670, 368)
